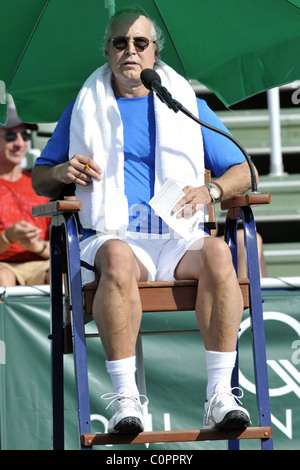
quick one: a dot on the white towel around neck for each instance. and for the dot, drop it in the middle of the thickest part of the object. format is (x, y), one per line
(96, 131)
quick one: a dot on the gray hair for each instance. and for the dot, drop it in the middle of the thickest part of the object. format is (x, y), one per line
(156, 33)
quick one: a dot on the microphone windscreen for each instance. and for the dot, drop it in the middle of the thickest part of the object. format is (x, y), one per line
(148, 76)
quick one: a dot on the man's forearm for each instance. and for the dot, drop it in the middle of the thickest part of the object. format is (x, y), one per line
(235, 181)
(45, 182)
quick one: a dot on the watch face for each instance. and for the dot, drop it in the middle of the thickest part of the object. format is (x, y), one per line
(215, 193)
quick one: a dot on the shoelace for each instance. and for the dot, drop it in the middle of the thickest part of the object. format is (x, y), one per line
(217, 395)
(120, 396)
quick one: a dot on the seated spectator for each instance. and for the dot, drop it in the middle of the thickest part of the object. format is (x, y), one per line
(24, 245)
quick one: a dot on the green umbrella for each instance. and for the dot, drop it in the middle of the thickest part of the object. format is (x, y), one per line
(236, 48)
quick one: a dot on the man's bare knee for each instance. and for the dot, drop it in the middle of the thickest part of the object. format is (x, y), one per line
(115, 259)
(217, 260)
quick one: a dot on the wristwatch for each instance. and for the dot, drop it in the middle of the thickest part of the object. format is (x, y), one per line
(214, 193)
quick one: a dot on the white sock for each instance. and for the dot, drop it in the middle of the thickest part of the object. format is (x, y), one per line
(219, 367)
(122, 374)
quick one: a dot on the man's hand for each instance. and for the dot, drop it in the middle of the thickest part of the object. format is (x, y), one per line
(235, 181)
(26, 235)
(79, 170)
(50, 180)
(194, 200)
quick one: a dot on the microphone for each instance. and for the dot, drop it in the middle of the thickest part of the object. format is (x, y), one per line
(152, 81)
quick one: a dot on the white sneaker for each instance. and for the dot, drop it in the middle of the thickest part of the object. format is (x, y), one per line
(222, 411)
(128, 415)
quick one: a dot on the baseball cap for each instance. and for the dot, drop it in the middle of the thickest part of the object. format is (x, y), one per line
(13, 121)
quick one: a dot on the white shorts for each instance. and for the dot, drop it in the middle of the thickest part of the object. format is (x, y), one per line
(159, 255)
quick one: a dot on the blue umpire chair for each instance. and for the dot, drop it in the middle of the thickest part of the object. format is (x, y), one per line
(71, 308)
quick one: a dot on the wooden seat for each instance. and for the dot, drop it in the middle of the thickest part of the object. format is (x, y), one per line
(68, 321)
(156, 296)
(167, 296)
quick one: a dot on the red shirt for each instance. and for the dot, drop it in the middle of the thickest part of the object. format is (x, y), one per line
(16, 201)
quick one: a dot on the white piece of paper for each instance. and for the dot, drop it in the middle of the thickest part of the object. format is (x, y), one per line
(164, 201)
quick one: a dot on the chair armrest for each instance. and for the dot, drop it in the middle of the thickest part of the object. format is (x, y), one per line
(56, 207)
(246, 200)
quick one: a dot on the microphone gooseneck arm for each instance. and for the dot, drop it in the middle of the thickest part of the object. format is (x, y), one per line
(225, 134)
(151, 80)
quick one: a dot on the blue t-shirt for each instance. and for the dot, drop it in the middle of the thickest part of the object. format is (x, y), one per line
(139, 154)
(139, 162)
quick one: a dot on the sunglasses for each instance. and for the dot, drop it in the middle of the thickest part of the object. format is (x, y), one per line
(121, 42)
(12, 136)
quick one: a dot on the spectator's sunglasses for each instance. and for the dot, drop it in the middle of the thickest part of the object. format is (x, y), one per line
(140, 43)
(12, 136)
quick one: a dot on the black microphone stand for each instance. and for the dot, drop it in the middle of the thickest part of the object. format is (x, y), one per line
(176, 106)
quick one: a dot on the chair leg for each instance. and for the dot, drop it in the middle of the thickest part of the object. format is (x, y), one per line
(256, 311)
(79, 343)
(141, 378)
(57, 340)
(258, 335)
(231, 240)
(234, 444)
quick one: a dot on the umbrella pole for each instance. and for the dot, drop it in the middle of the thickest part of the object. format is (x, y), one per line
(111, 6)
